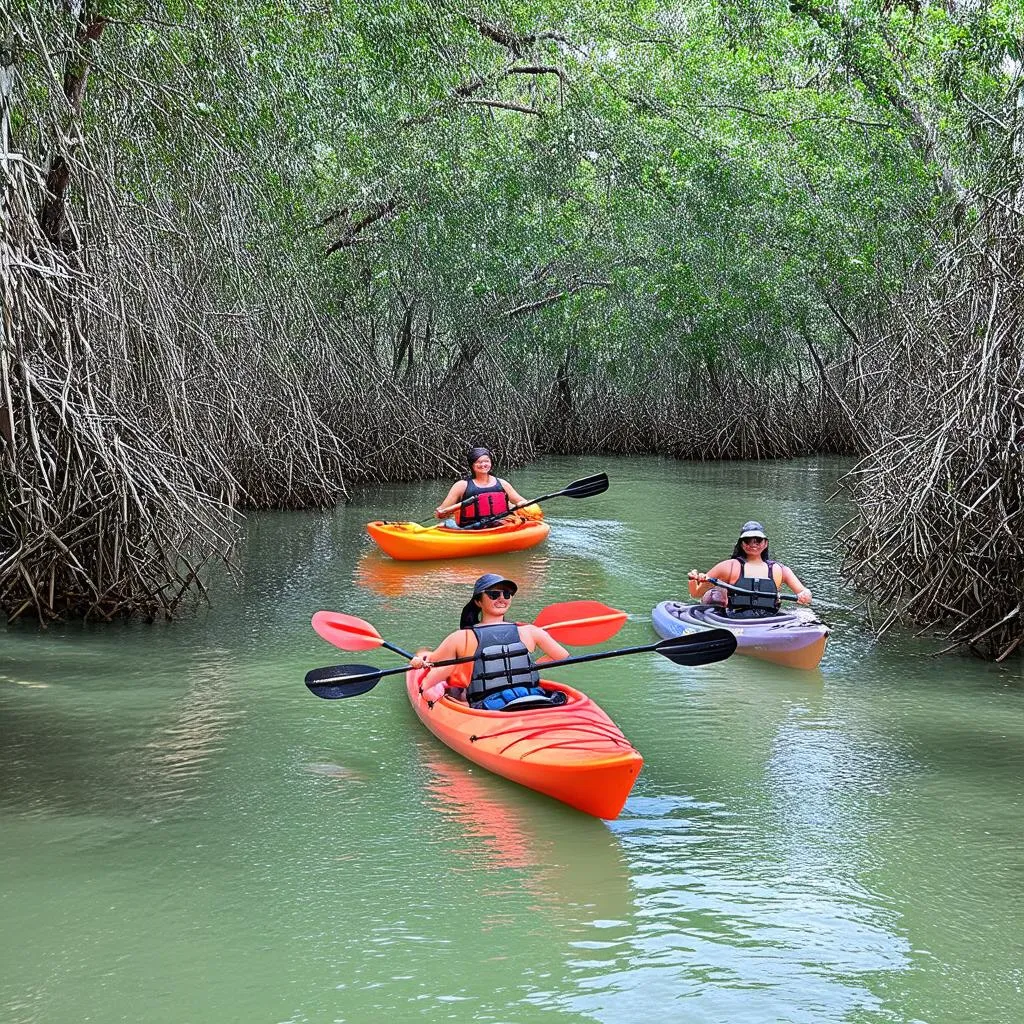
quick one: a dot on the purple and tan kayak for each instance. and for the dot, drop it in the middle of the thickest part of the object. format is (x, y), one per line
(795, 639)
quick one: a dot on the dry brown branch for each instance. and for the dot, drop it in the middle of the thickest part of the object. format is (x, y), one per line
(156, 374)
(503, 105)
(517, 45)
(538, 69)
(379, 211)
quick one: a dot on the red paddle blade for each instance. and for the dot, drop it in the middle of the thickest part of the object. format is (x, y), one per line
(346, 631)
(579, 623)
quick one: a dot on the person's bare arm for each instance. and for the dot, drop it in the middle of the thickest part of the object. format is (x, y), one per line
(726, 571)
(514, 497)
(537, 637)
(803, 595)
(452, 499)
(450, 647)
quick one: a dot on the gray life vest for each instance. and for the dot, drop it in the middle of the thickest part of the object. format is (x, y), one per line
(501, 660)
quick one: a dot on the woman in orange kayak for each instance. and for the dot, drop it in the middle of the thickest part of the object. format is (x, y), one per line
(491, 495)
(750, 567)
(501, 672)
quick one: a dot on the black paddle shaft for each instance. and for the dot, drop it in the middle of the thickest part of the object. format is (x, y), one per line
(700, 648)
(585, 488)
(743, 590)
(690, 649)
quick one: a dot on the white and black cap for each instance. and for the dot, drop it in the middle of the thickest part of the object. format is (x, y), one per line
(752, 529)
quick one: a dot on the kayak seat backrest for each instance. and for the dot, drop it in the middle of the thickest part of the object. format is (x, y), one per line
(536, 700)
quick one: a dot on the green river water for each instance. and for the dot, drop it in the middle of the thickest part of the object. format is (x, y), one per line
(189, 836)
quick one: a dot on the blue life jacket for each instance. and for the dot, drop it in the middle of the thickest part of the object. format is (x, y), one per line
(514, 698)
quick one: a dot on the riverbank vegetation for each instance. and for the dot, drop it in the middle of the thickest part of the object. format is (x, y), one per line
(254, 254)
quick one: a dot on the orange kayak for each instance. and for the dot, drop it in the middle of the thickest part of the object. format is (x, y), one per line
(574, 752)
(411, 542)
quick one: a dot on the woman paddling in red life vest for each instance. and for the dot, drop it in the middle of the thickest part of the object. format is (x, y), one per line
(501, 673)
(491, 495)
(752, 568)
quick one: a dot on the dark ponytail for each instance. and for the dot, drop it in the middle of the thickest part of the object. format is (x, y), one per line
(470, 614)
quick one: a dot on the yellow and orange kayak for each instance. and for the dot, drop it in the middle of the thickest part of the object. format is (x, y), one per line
(574, 752)
(411, 542)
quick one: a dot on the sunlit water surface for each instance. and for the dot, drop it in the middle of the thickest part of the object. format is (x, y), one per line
(189, 835)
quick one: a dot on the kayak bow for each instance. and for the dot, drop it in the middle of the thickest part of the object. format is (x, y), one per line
(573, 752)
(795, 639)
(412, 543)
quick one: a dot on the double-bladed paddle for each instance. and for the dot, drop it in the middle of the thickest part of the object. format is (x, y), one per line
(577, 623)
(700, 648)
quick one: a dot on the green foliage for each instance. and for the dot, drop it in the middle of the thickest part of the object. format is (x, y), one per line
(565, 175)
(682, 163)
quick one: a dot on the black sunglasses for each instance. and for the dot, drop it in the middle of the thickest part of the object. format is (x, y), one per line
(494, 593)
(754, 540)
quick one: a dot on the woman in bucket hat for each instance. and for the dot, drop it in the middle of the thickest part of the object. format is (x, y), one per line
(751, 567)
(502, 671)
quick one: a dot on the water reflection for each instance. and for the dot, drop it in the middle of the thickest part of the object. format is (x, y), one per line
(179, 754)
(823, 777)
(87, 746)
(391, 578)
(572, 865)
(607, 542)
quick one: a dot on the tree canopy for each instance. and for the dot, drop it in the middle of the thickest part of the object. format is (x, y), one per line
(306, 242)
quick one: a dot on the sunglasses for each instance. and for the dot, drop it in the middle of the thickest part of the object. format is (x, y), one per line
(754, 540)
(494, 593)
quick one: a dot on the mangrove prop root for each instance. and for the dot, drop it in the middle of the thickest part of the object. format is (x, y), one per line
(939, 539)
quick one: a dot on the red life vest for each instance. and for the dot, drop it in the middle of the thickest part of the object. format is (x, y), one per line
(488, 501)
